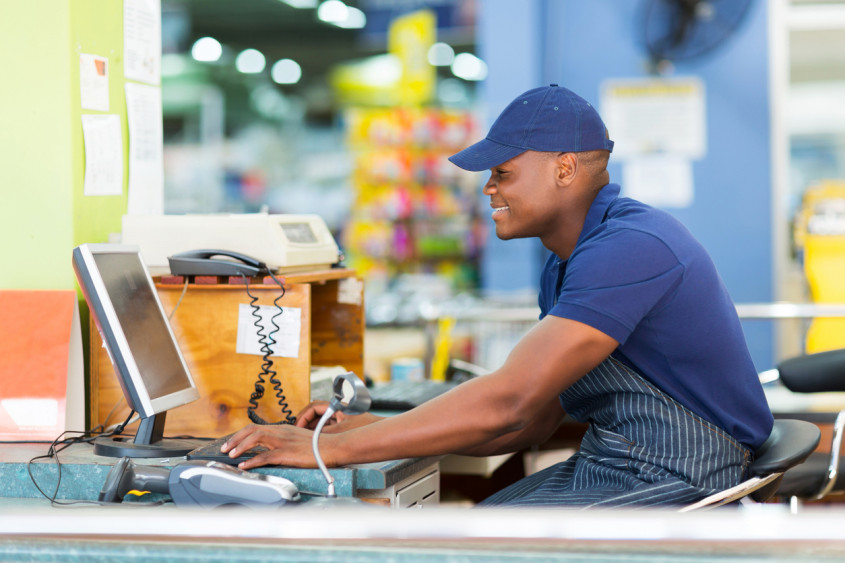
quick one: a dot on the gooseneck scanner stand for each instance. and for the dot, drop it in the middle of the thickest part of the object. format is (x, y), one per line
(349, 396)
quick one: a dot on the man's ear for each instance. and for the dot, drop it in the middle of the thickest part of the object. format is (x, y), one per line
(567, 167)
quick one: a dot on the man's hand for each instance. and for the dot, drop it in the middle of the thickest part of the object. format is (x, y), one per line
(286, 445)
(310, 416)
(339, 422)
(291, 445)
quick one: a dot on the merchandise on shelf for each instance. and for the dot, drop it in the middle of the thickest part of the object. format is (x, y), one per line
(413, 212)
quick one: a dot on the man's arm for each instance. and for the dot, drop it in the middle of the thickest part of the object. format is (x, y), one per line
(538, 431)
(507, 406)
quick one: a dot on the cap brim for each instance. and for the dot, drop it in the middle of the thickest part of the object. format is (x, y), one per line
(484, 154)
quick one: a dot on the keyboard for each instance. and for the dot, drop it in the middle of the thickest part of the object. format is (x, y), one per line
(211, 452)
(405, 395)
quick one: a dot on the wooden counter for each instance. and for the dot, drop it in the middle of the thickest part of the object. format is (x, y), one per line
(331, 308)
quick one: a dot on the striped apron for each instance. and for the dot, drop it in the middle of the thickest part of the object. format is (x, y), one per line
(642, 448)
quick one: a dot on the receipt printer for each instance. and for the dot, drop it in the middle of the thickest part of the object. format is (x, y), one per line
(285, 243)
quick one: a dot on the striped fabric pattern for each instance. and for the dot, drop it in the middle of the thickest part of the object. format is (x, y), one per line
(642, 448)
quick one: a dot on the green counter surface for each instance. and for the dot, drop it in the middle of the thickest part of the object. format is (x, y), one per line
(82, 473)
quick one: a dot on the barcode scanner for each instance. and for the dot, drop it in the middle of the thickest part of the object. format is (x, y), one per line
(197, 483)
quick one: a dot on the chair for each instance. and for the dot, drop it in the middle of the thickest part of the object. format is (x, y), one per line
(819, 476)
(789, 444)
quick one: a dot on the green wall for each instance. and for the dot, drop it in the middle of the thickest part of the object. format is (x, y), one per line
(43, 213)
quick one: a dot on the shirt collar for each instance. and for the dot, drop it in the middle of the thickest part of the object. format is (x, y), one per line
(595, 216)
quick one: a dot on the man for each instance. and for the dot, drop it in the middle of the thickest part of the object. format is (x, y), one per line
(637, 336)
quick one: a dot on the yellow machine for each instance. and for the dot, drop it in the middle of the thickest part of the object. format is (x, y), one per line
(820, 230)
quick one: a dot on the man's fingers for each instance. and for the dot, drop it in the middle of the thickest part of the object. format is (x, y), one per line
(309, 416)
(237, 438)
(264, 458)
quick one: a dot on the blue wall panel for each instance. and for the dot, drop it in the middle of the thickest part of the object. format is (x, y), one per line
(580, 45)
(514, 48)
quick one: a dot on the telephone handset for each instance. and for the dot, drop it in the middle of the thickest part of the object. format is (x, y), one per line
(213, 262)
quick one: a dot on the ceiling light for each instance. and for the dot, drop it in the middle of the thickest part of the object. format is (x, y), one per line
(301, 3)
(441, 54)
(286, 71)
(469, 67)
(206, 49)
(333, 11)
(250, 61)
(355, 19)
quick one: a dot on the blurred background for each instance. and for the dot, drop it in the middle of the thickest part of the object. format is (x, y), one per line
(349, 109)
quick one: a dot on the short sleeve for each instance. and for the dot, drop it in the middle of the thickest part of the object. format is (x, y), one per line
(616, 279)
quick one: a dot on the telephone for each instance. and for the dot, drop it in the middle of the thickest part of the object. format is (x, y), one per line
(215, 263)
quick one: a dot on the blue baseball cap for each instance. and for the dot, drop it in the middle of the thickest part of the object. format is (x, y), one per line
(547, 119)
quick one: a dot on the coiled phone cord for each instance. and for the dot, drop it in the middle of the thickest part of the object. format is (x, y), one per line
(267, 341)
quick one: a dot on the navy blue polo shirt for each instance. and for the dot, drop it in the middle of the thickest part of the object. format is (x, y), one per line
(639, 276)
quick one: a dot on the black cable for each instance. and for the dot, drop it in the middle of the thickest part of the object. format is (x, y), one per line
(60, 444)
(267, 341)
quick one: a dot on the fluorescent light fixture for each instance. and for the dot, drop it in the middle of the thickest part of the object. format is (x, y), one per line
(469, 67)
(286, 71)
(301, 4)
(333, 11)
(206, 50)
(250, 61)
(441, 54)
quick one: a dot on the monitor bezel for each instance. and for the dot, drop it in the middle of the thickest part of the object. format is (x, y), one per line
(114, 339)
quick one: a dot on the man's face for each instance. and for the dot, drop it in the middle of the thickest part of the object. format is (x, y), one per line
(522, 195)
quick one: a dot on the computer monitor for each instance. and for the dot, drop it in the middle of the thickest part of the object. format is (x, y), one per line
(136, 334)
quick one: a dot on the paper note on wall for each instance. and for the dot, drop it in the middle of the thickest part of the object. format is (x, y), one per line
(142, 40)
(656, 116)
(94, 82)
(252, 338)
(103, 155)
(659, 180)
(146, 149)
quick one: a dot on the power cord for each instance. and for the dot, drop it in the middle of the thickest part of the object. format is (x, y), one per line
(60, 444)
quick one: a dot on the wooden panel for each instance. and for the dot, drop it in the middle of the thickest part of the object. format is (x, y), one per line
(205, 325)
(337, 325)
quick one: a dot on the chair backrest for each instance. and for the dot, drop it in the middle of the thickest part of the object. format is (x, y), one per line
(814, 373)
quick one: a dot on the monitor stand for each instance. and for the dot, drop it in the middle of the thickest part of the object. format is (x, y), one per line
(148, 442)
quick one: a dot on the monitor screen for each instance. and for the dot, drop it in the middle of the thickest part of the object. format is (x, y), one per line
(147, 334)
(124, 305)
